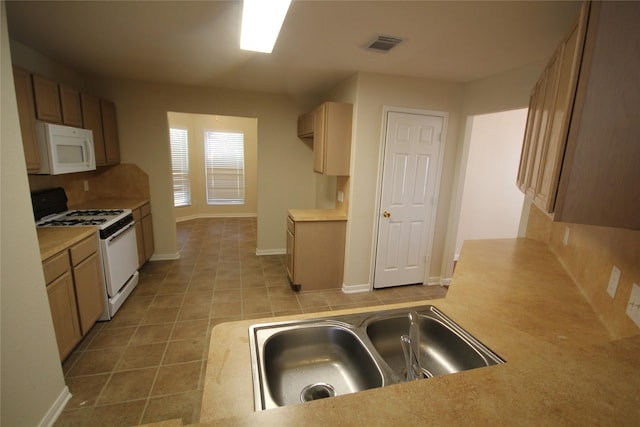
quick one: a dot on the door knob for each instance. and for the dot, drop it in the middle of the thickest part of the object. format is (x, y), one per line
(386, 214)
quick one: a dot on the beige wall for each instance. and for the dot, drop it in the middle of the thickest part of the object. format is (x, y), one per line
(502, 92)
(370, 93)
(491, 203)
(588, 258)
(285, 177)
(196, 124)
(31, 378)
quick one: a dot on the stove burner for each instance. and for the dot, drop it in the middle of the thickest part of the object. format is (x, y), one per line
(95, 212)
(71, 222)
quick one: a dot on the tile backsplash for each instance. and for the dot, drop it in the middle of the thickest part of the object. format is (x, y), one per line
(589, 256)
(119, 181)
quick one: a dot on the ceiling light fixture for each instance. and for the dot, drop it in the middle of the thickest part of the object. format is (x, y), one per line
(261, 23)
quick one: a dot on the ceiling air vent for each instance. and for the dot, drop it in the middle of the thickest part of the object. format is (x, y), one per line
(383, 43)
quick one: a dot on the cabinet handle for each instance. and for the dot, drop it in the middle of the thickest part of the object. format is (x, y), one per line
(386, 214)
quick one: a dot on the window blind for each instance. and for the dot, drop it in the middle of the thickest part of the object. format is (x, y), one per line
(180, 166)
(224, 163)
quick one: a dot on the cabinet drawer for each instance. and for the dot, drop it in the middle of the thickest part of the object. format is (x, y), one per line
(83, 249)
(137, 215)
(145, 210)
(55, 266)
(291, 225)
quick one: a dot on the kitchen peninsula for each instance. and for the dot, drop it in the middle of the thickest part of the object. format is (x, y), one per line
(563, 367)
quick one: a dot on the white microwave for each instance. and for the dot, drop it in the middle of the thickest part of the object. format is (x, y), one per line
(64, 149)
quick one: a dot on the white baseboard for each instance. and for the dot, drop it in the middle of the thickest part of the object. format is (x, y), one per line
(165, 257)
(261, 252)
(354, 289)
(56, 409)
(198, 216)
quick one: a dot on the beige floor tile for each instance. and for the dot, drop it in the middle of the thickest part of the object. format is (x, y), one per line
(85, 390)
(164, 301)
(148, 334)
(120, 414)
(256, 305)
(183, 406)
(141, 356)
(112, 337)
(190, 329)
(160, 315)
(185, 351)
(227, 295)
(226, 309)
(96, 362)
(128, 385)
(177, 378)
(194, 312)
(285, 303)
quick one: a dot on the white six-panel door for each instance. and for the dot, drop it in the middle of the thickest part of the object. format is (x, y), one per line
(407, 205)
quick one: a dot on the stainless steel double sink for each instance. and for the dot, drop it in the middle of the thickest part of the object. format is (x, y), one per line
(299, 361)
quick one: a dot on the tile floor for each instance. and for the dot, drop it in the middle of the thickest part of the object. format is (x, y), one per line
(148, 363)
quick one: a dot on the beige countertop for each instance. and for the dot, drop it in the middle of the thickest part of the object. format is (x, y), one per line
(55, 239)
(562, 367)
(317, 215)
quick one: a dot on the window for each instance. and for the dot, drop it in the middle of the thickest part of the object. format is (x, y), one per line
(224, 163)
(180, 166)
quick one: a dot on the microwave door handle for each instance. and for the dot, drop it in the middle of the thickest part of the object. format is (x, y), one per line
(91, 159)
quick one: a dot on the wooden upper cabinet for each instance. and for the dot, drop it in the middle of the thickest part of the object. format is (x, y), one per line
(305, 125)
(332, 138)
(26, 115)
(92, 119)
(47, 99)
(70, 104)
(110, 132)
(581, 166)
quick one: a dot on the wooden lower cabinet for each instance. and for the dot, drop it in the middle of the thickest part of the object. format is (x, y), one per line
(144, 233)
(62, 302)
(76, 292)
(315, 253)
(89, 291)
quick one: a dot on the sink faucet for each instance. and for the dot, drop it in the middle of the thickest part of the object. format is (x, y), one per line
(411, 348)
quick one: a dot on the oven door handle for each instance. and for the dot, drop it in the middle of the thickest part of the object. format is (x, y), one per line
(120, 232)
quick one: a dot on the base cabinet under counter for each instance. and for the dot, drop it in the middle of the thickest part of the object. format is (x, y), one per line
(315, 253)
(144, 233)
(76, 292)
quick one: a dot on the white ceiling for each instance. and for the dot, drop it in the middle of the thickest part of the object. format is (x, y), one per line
(321, 43)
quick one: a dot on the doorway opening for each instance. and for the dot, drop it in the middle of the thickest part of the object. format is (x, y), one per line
(491, 204)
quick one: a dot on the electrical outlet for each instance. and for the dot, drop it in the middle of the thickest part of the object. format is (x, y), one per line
(633, 309)
(614, 279)
(565, 239)
(340, 196)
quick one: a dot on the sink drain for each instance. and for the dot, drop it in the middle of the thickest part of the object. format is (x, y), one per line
(317, 391)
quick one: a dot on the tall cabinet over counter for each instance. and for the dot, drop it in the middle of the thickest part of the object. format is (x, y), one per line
(580, 154)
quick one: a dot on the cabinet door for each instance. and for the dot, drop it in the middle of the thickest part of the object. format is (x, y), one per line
(569, 65)
(92, 119)
(289, 256)
(47, 100)
(70, 103)
(305, 125)
(147, 233)
(319, 139)
(110, 132)
(140, 244)
(62, 302)
(26, 114)
(89, 287)
(550, 82)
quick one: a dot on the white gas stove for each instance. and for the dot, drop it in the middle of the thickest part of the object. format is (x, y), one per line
(118, 245)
